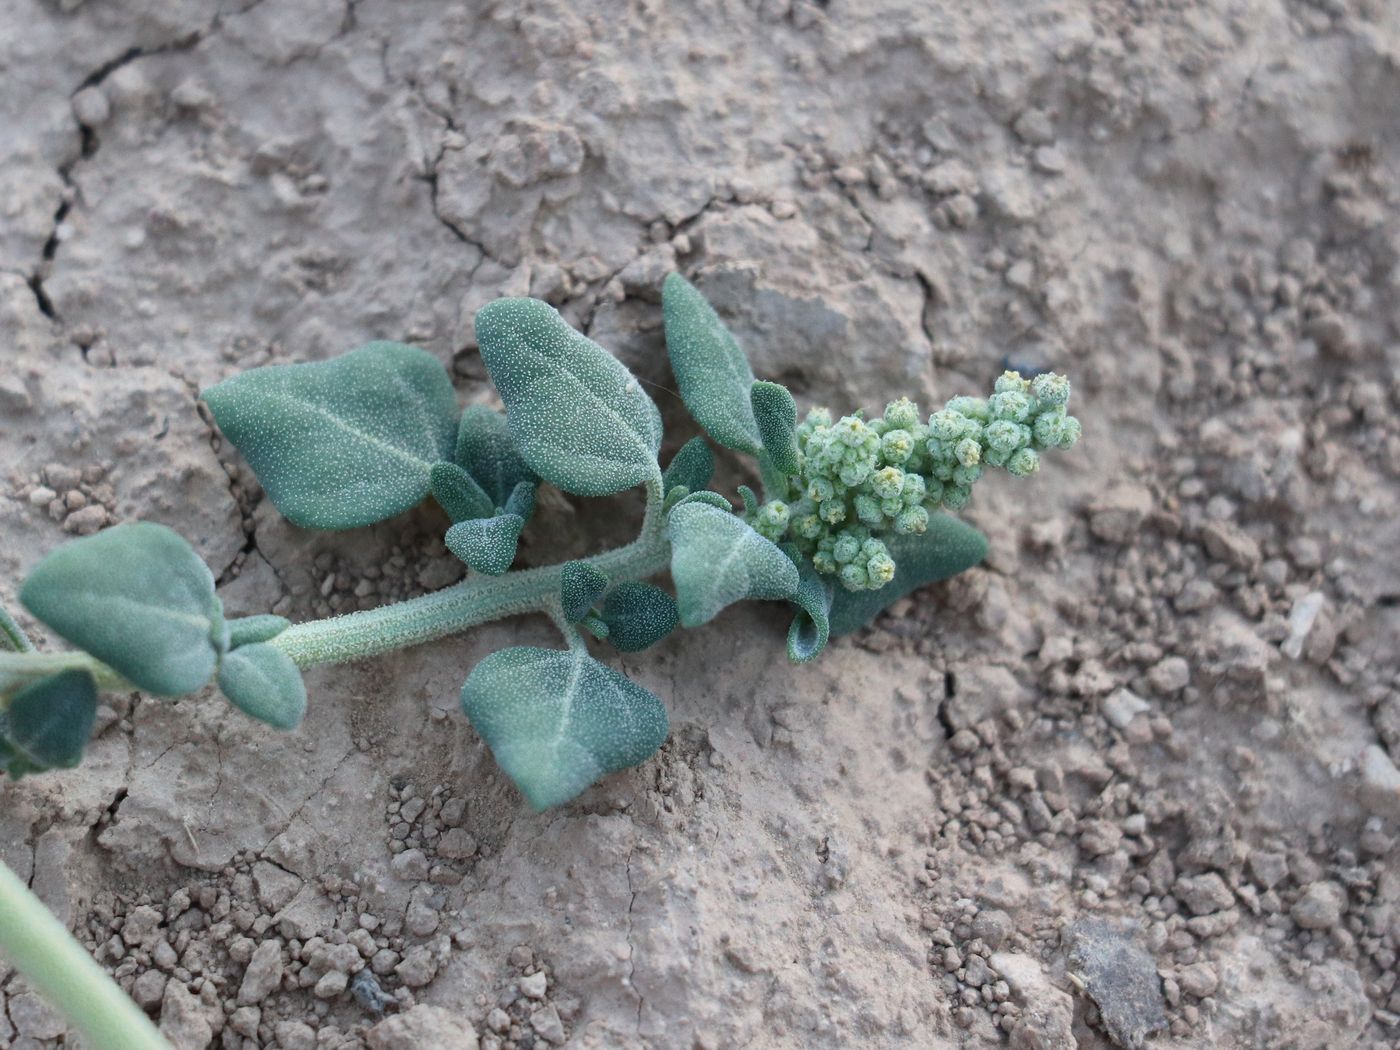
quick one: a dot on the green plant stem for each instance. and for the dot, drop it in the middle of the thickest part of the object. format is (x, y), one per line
(12, 635)
(55, 965)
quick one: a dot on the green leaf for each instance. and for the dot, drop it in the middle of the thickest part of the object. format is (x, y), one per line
(486, 544)
(487, 452)
(521, 501)
(638, 615)
(345, 442)
(137, 597)
(710, 367)
(716, 559)
(12, 636)
(580, 586)
(48, 723)
(946, 549)
(580, 420)
(692, 467)
(811, 627)
(249, 630)
(710, 499)
(750, 500)
(775, 412)
(458, 493)
(263, 682)
(557, 720)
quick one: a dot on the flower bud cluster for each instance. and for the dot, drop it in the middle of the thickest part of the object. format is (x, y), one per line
(860, 481)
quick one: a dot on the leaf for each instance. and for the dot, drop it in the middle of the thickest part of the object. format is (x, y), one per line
(249, 630)
(487, 452)
(775, 412)
(557, 720)
(811, 627)
(521, 501)
(458, 493)
(710, 367)
(716, 559)
(580, 420)
(138, 598)
(638, 615)
(345, 442)
(710, 499)
(486, 544)
(263, 682)
(946, 549)
(580, 586)
(12, 635)
(692, 466)
(48, 723)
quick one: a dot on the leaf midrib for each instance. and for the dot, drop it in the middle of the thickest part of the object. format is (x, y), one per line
(299, 401)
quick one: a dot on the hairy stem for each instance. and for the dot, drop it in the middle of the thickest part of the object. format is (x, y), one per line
(55, 965)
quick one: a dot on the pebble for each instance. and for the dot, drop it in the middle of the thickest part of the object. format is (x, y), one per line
(418, 968)
(1203, 894)
(1199, 979)
(1121, 706)
(263, 975)
(546, 1022)
(411, 865)
(534, 986)
(1169, 675)
(1115, 516)
(421, 1027)
(42, 496)
(1320, 907)
(331, 985)
(1380, 782)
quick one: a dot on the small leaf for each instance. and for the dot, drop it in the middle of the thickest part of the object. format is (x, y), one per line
(580, 586)
(750, 500)
(674, 495)
(263, 682)
(692, 466)
(12, 635)
(521, 501)
(249, 630)
(557, 720)
(946, 549)
(137, 597)
(48, 723)
(487, 452)
(638, 615)
(775, 412)
(594, 626)
(710, 499)
(345, 442)
(580, 420)
(486, 544)
(458, 493)
(716, 560)
(710, 368)
(811, 627)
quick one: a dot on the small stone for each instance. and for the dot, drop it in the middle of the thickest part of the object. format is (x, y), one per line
(410, 865)
(295, 1035)
(1033, 127)
(1116, 515)
(182, 1019)
(1121, 706)
(983, 691)
(149, 989)
(1169, 675)
(275, 886)
(546, 1022)
(1301, 619)
(62, 477)
(1320, 907)
(992, 926)
(421, 1027)
(1051, 160)
(977, 972)
(418, 968)
(1380, 782)
(1199, 980)
(87, 521)
(1225, 541)
(457, 844)
(263, 975)
(31, 1016)
(245, 1021)
(42, 496)
(91, 107)
(533, 986)
(331, 985)
(14, 395)
(1203, 894)
(421, 920)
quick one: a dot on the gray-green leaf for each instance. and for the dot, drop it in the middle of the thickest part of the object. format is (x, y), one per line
(557, 720)
(775, 412)
(487, 452)
(578, 417)
(717, 559)
(638, 615)
(458, 494)
(946, 549)
(48, 723)
(709, 366)
(692, 466)
(12, 635)
(137, 597)
(580, 587)
(486, 544)
(249, 630)
(263, 682)
(345, 442)
(811, 627)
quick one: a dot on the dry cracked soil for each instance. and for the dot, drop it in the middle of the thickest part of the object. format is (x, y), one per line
(1132, 782)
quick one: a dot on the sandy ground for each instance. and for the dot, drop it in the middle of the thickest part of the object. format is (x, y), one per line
(1133, 778)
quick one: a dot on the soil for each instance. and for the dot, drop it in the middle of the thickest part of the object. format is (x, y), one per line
(1131, 782)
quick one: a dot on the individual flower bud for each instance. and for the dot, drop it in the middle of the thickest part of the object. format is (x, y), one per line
(891, 507)
(854, 473)
(955, 497)
(807, 527)
(971, 407)
(994, 458)
(870, 547)
(833, 512)
(845, 549)
(914, 490)
(1023, 463)
(968, 476)
(903, 414)
(868, 510)
(968, 452)
(1011, 380)
(818, 417)
(897, 446)
(942, 469)
(947, 425)
(1003, 436)
(878, 427)
(854, 577)
(1049, 427)
(880, 570)
(772, 520)
(934, 494)
(822, 561)
(1070, 432)
(819, 490)
(1010, 404)
(850, 431)
(887, 482)
(1051, 389)
(911, 521)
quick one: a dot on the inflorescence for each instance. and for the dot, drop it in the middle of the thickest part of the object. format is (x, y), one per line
(859, 481)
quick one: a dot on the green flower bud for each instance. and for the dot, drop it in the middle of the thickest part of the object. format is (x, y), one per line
(1010, 404)
(891, 507)
(914, 490)
(897, 446)
(955, 497)
(1049, 427)
(887, 482)
(822, 561)
(820, 490)
(846, 549)
(854, 577)
(903, 414)
(851, 432)
(833, 512)
(968, 452)
(772, 520)
(1051, 389)
(868, 510)
(935, 492)
(1023, 463)
(968, 476)
(880, 570)
(947, 425)
(1070, 434)
(854, 473)
(807, 527)
(878, 427)
(1004, 436)
(1011, 380)
(971, 407)
(994, 458)
(911, 521)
